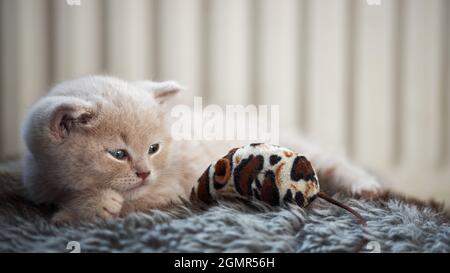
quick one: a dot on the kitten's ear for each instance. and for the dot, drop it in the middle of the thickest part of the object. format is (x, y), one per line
(68, 117)
(161, 91)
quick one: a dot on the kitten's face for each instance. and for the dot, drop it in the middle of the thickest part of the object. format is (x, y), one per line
(125, 151)
(123, 143)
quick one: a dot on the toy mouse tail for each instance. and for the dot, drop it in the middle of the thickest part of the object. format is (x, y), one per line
(327, 198)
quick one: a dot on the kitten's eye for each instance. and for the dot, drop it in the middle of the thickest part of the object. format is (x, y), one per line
(119, 154)
(153, 148)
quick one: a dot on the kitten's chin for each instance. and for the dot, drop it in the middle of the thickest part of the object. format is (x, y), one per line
(137, 191)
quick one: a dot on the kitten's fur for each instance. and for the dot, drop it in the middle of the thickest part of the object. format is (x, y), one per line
(68, 134)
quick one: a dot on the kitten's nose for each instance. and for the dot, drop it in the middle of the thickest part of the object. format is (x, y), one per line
(143, 175)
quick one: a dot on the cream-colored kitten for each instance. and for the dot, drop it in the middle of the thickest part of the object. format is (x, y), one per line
(101, 147)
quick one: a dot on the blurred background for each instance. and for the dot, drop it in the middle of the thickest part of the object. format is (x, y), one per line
(367, 79)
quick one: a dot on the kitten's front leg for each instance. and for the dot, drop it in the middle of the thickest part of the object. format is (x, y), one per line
(103, 204)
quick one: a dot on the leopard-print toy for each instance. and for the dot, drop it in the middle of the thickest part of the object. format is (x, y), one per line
(270, 173)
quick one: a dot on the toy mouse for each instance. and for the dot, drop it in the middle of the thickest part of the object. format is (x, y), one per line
(270, 173)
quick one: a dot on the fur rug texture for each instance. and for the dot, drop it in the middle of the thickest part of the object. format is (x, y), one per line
(395, 224)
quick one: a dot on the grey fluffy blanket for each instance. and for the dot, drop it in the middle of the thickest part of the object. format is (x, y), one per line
(394, 225)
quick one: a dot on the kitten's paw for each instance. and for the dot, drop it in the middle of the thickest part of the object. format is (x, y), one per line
(367, 187)
(110, 205)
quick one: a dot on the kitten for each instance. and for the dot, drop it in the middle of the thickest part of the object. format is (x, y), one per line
(100, 147)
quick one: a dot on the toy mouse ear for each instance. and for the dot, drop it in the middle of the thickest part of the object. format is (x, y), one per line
(68, 117)
(161, 91)
(222, 171)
